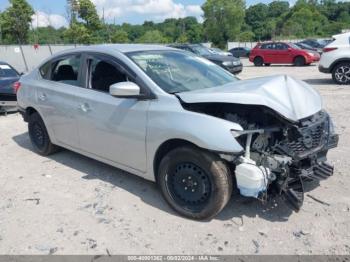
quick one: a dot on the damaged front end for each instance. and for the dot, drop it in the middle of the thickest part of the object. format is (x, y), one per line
(280, 155)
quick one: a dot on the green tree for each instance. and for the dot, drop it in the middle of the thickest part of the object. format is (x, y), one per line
(257, 18)
(306, 19)
(15, 21)
(72, 8)
(134, 31)
(246, 36)
(153, 36)
(85, 24)
(47, 35)
(87, 12)
(277, 8)
(192, 29)
(77, 33)
(120, 36)
(182, 39)
(223, 20)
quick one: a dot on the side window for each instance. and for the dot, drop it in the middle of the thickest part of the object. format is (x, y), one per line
(266, 46)
(103, 74)
(67, 70)
(45, 70)
(281, 46)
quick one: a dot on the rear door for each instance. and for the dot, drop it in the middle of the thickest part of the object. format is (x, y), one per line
(282, 53)
(266, 52)
(109, 127)
(57, 96)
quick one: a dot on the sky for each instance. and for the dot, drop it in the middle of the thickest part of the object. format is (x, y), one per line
(53, 12)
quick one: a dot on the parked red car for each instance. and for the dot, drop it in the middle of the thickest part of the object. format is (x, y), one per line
(281, 53)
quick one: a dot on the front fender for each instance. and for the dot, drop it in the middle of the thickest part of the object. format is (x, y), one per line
(166, 122)
(205, 131)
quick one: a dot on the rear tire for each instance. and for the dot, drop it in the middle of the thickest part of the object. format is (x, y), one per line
(299, 61)
(258, 61)
(195, 183)
(341, 73)
(39, 137)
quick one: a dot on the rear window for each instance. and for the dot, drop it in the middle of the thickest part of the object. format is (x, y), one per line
(7, 71)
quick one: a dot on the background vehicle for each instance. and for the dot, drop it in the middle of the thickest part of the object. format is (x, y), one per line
(281, 53)
(8, 76)
(240, 51)
(336, 59)
(218, 51)
(172, 117)
(230, 63)
(308, 47)
(315, 43)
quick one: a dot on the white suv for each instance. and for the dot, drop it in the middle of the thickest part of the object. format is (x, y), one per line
(336, 59)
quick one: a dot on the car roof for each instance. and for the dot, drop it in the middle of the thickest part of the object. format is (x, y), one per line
(123, 48)
(184, 45)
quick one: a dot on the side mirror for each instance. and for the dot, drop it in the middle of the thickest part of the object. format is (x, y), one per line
(125, 90)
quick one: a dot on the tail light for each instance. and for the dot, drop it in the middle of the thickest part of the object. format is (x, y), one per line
(16, 86)
(329, 49)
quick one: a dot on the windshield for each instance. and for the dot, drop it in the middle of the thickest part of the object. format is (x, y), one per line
(200, 50)
(177, 72)
(294, 46)
(7, 71)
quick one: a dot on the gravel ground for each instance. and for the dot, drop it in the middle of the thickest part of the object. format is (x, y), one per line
(70, 204)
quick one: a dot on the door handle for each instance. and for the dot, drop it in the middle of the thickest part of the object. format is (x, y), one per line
(85, 108)
(42, 97)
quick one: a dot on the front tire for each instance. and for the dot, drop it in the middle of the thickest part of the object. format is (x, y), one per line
(341, 73)
(299, 61)
(258, 61)
(39, 137)
(195, 183)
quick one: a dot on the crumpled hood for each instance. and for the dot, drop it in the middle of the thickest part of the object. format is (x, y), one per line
(291, 98)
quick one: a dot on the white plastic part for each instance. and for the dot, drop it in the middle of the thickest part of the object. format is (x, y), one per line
(251, 179)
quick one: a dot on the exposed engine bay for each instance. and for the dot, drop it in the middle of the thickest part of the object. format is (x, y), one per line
(279, 155)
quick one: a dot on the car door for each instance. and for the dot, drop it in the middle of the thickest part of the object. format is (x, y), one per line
(282, 53)
(109, 127)
(57, 95)
(267, 53)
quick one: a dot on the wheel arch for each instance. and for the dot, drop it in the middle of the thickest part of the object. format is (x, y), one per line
(28, 111)
(31, 110)
(299, 55)
(165, 148)
(338, 61)
(259, 56)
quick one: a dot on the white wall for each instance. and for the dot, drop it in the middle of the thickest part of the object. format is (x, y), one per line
(12, 55)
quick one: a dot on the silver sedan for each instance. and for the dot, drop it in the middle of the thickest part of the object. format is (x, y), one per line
(178, 119)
